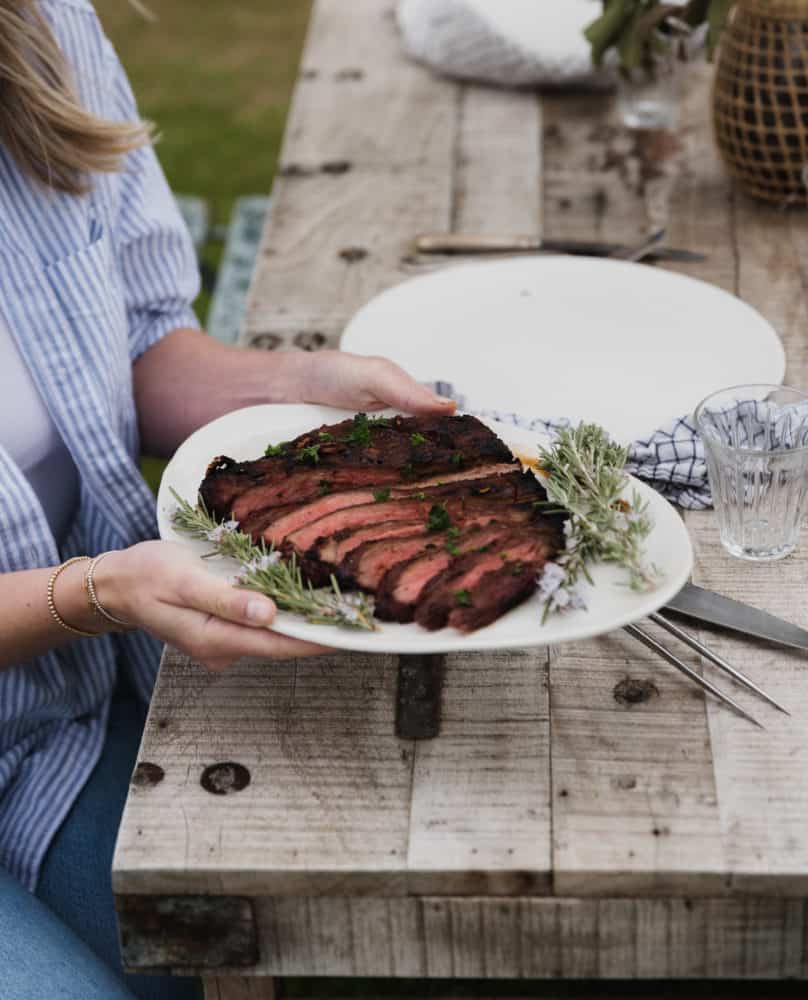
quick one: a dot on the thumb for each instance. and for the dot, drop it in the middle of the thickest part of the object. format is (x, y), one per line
(394, 387)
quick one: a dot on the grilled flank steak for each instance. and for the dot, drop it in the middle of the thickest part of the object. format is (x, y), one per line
(433, 515)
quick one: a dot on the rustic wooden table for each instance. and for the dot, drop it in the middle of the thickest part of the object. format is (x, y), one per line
(277, 825)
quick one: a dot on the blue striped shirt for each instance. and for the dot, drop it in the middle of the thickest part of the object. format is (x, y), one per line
(87, 284)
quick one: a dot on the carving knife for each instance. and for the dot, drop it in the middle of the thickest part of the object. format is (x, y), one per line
(714, 609)
(457, 244)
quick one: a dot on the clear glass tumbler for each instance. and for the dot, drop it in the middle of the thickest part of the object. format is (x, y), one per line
(756, 445)
(649, 97)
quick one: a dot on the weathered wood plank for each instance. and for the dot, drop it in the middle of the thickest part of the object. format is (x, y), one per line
(497, 188)
(332, 802)
(240, 989)
(354, 187)
(761, 781)
(634, 802)
(572, 990)
(327, 804)
(480, 808)
(446, 938)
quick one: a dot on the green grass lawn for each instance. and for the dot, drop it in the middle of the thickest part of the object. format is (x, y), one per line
(216, 79)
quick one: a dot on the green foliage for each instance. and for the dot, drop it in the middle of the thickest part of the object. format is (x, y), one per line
(583, 473)
(266, 572)
(639, 29)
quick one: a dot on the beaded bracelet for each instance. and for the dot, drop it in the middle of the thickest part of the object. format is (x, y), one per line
(92, 596)
(52, 604)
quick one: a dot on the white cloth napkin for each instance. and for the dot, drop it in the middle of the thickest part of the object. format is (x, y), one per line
(509, 42)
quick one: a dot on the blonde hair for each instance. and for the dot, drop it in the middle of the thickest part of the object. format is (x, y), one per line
(51, 137)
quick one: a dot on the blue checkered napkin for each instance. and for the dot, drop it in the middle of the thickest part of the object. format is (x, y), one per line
(671, 459)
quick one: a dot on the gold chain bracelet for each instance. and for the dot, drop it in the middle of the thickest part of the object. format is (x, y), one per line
(52, 603)
(92, 596)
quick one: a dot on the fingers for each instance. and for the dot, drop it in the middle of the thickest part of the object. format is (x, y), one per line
(392, 386)
(356, 382)
(202, 592)
(217, 644)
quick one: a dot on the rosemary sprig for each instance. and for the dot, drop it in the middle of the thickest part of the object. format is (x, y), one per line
(264, 571)
(584, 476)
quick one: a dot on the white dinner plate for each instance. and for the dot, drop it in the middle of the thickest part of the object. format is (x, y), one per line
(628, 346)
(244, 434)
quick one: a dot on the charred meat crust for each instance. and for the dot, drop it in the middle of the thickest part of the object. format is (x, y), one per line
(414, 509)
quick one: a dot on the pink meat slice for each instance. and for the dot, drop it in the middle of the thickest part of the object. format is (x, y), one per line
(368, 564)
(441, 595)
(362, 514)
(401, 587)
(337, 548)
(305, 485)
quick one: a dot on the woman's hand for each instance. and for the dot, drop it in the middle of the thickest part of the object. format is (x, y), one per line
(162, 588)
(354, 382)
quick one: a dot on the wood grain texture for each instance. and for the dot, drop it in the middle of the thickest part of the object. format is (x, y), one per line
(329, 787)
(634, 798)
(447, 938)
(480, 807)
(217, 988)
(336, 803)
(355, 186)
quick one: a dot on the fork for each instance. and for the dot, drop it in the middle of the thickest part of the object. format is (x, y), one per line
(661, 650)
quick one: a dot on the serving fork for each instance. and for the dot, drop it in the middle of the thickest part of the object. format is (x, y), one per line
(650, 642)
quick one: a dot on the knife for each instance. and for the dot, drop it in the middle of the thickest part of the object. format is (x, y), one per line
(705, 606)
(456, 243)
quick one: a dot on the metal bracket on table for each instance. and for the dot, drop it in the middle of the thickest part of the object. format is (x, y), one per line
(418, 699)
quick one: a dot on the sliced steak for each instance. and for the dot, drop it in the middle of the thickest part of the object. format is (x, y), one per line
(338, 547)
(459, 510)
(495, 593)
(493, 488)
(367, 564)
(307, 485)
(305, 538)
(456, 586)
(400, 588)
(225, 479)
(352, 454)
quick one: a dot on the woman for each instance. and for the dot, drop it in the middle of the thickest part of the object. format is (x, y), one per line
(99, 355)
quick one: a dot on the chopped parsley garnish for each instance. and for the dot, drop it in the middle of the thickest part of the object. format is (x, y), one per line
(518, 567)
(420, 495)
(272, 450)
(453, 532)
(452, 549)
(457, 458)
(381, 495)
(311, 453)
(324, 436)
(324, 487)
(439, 519)
(463, 598)
(362, 426)
(417, 438)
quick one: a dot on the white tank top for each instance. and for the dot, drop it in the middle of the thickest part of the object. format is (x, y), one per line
(29, 435)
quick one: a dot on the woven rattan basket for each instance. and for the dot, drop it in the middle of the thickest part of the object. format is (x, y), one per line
(761, 98)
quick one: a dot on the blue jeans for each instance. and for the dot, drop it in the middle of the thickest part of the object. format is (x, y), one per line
(62, 943)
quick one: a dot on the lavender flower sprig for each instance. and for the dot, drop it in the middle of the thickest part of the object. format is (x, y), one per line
(583, 473)
(263, 570)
